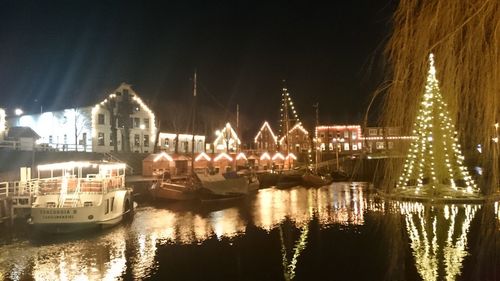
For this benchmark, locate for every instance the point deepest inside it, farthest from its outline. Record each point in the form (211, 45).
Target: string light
(434, 160)
(135, 98)
(223, 155)
(163, 155)
(202, 155)
(262, 130)
(227, 134)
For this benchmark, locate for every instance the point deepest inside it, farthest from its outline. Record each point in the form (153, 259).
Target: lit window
(100, 139)
(346, 134)
(137, 122)
(354, 147)
(379, 145)
(146, 140)
(372, 132)
(137, 140)
(354, 135)
(146, 123)
(346, 146)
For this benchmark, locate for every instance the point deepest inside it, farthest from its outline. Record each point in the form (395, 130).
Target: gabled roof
(264, 126)
(225, 130)
(297, 126)
(22, 132)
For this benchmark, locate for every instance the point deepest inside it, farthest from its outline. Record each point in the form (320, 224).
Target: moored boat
(289, 178)
(80, 195)
(310, 179)
(222, 186)
(177, 188)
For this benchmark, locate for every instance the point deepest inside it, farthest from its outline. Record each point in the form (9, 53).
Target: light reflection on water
(437, 235)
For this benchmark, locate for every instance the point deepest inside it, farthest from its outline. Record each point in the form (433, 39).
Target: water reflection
(290, 265)
(291, 219)
(75, 260)
(438, 235)
(341, 203)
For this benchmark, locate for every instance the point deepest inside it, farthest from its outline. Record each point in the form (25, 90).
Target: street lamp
(142, 127)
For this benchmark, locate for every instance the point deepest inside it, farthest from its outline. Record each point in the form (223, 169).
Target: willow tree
(464, 37)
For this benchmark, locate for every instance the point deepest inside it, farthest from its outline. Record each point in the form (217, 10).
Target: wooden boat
(289, 178)
(80, 195)
(267, 179)
(177, 188)
(310, 179)
(339, 175)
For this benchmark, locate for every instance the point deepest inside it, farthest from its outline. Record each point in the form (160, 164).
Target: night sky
(60, 54)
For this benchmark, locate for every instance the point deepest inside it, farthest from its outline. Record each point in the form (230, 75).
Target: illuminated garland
(264, 126)
(435, 154)
(297, 126)
(135, 98)
(287, 105)
(227, 134)
(438, 254)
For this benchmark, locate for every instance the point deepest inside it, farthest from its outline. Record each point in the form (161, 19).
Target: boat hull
(71, 219)
(313, 180)
(173, 192)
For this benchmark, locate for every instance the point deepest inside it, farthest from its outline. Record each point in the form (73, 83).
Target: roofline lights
(265, 156)
(163, 155)
(278, 155)
(223, 155)
(232, 133)
(64, 165)
(202, 155)
(266, 124)
(241, 155)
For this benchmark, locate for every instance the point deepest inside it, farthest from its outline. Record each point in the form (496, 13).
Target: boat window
(88, 204)
(112, 203)
(106, 210)
(51, 204)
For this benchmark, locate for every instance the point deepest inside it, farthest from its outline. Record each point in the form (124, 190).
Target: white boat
(79, 195)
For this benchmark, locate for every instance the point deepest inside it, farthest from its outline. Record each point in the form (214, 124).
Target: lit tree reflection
(438, 237)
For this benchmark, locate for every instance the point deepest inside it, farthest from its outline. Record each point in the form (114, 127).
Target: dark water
(340, 232)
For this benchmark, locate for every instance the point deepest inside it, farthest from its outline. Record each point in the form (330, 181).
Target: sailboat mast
(237, 125)
(286, 124)
(193, 124)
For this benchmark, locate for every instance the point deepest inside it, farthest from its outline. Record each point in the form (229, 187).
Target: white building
(181, 143)
(121, 122)
(2, 123)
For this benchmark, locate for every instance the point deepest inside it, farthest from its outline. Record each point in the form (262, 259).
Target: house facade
(121, 122)
(266, 140)
(227, 140)
(181, 143)
(344, 139)
(297, 139)
(385, 141)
